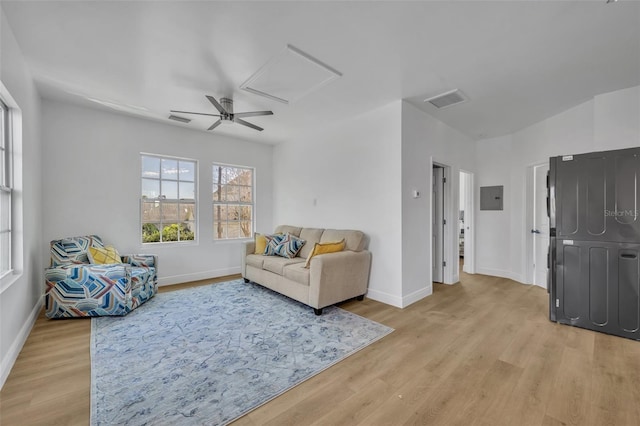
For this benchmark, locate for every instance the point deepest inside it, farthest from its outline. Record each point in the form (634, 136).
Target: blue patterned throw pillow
(272, 244)
(289, 246)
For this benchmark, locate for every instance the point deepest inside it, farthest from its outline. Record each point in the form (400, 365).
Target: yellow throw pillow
(261, 243)
(102, 256)
(323, 248)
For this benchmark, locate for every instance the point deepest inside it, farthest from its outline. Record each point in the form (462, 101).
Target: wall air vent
(447, 99)
(180, 119)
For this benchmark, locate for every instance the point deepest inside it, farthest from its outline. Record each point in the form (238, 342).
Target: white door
(437, 223)
(540, 228)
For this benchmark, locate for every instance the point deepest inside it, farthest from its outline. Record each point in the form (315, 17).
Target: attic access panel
(289, 76)
(491, 197)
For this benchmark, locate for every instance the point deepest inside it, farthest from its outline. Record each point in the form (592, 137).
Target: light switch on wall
(416, 193)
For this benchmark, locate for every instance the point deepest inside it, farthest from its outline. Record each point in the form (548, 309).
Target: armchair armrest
(146, 260)
(335, 277)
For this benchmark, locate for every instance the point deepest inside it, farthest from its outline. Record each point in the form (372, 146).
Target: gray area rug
(208, 355)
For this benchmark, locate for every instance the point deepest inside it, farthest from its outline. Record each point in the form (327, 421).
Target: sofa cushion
(311, 236)
(272, 244)
(255, 260)
(276, 264)
(289, 246)
(324, 248)
(293, 230)
(260, 242)
(354, 240)
(297, 272)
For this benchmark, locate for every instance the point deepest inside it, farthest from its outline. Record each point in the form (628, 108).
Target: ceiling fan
(225, 108)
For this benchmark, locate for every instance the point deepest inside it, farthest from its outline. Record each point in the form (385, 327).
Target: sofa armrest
(145, 260)
(249, 247)
(335, 277)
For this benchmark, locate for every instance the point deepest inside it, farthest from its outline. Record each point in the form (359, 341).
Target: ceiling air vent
(180, 119)
(447, 99)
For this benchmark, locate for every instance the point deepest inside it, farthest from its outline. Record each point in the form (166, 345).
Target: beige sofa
(330, 278)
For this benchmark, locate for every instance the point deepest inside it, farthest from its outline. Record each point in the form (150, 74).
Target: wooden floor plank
(479, 352)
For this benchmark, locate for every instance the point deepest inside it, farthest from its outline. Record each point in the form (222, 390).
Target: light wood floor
(480, 352)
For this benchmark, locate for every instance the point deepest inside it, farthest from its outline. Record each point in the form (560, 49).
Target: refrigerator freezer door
(598, 286)
(596, 196)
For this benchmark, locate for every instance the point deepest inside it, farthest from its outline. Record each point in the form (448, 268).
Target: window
(5, 191)
(232, 202)
(168, 201)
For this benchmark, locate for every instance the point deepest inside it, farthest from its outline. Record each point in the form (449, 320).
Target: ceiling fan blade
(245, 123)
(214, 125)
(252, 114)
(216, 104)
(198, 113)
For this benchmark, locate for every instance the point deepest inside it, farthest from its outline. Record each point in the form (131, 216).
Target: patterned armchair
(77, 288)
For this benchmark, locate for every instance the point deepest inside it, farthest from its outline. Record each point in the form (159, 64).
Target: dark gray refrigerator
(594, 253)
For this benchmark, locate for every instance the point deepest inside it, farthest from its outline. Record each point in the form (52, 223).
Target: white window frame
(6, 189)
(161, 200)
(227, 203)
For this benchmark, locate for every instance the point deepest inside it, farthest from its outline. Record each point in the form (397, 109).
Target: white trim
(12, 355)
(502, 274)
(384, 297)
(417, 295)
(196, 276)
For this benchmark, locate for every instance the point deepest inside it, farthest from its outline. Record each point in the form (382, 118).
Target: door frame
(529, 204)
(450, 248)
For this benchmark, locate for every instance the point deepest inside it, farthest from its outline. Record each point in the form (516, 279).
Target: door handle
(535, 231)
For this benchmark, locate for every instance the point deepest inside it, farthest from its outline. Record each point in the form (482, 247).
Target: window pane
(187, 190)
(233, 193)
(169, 169)
(170, 190)
(187, 212)
(151, 212)
(234, 213)
(5, 251)
(187, 231)
(150, 167)
(187, 171)
(170, 232)
(246, 194)
(245, 213)
(233, 230)
(169, 212)
(246, 229)
(245, 178)
(217, 174)
(150, 188)
(219, 230)
(5, 210)
(220, 212)
(150, 232)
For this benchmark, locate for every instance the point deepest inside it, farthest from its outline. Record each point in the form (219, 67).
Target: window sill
(8, 280)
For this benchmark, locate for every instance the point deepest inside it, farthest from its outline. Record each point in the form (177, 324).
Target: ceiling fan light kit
(225, 108)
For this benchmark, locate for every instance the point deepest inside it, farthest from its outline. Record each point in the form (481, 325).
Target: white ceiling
(518, 62)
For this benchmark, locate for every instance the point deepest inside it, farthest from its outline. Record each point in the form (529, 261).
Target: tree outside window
(233, 206)
(168, 199)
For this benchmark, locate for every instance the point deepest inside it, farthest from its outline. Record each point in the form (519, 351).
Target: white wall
(20, 296)
(348, 177)
(609, 121)
(426, 140)
(93, 184)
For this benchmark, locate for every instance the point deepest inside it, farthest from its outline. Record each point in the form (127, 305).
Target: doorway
(437, 224)
(465, 223)
(540, 225)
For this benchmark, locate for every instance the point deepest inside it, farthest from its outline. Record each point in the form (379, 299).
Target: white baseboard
(417, 295)
(196, 276)
(381, 296)
(18, 343)
(501, 273)
(399, 302)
